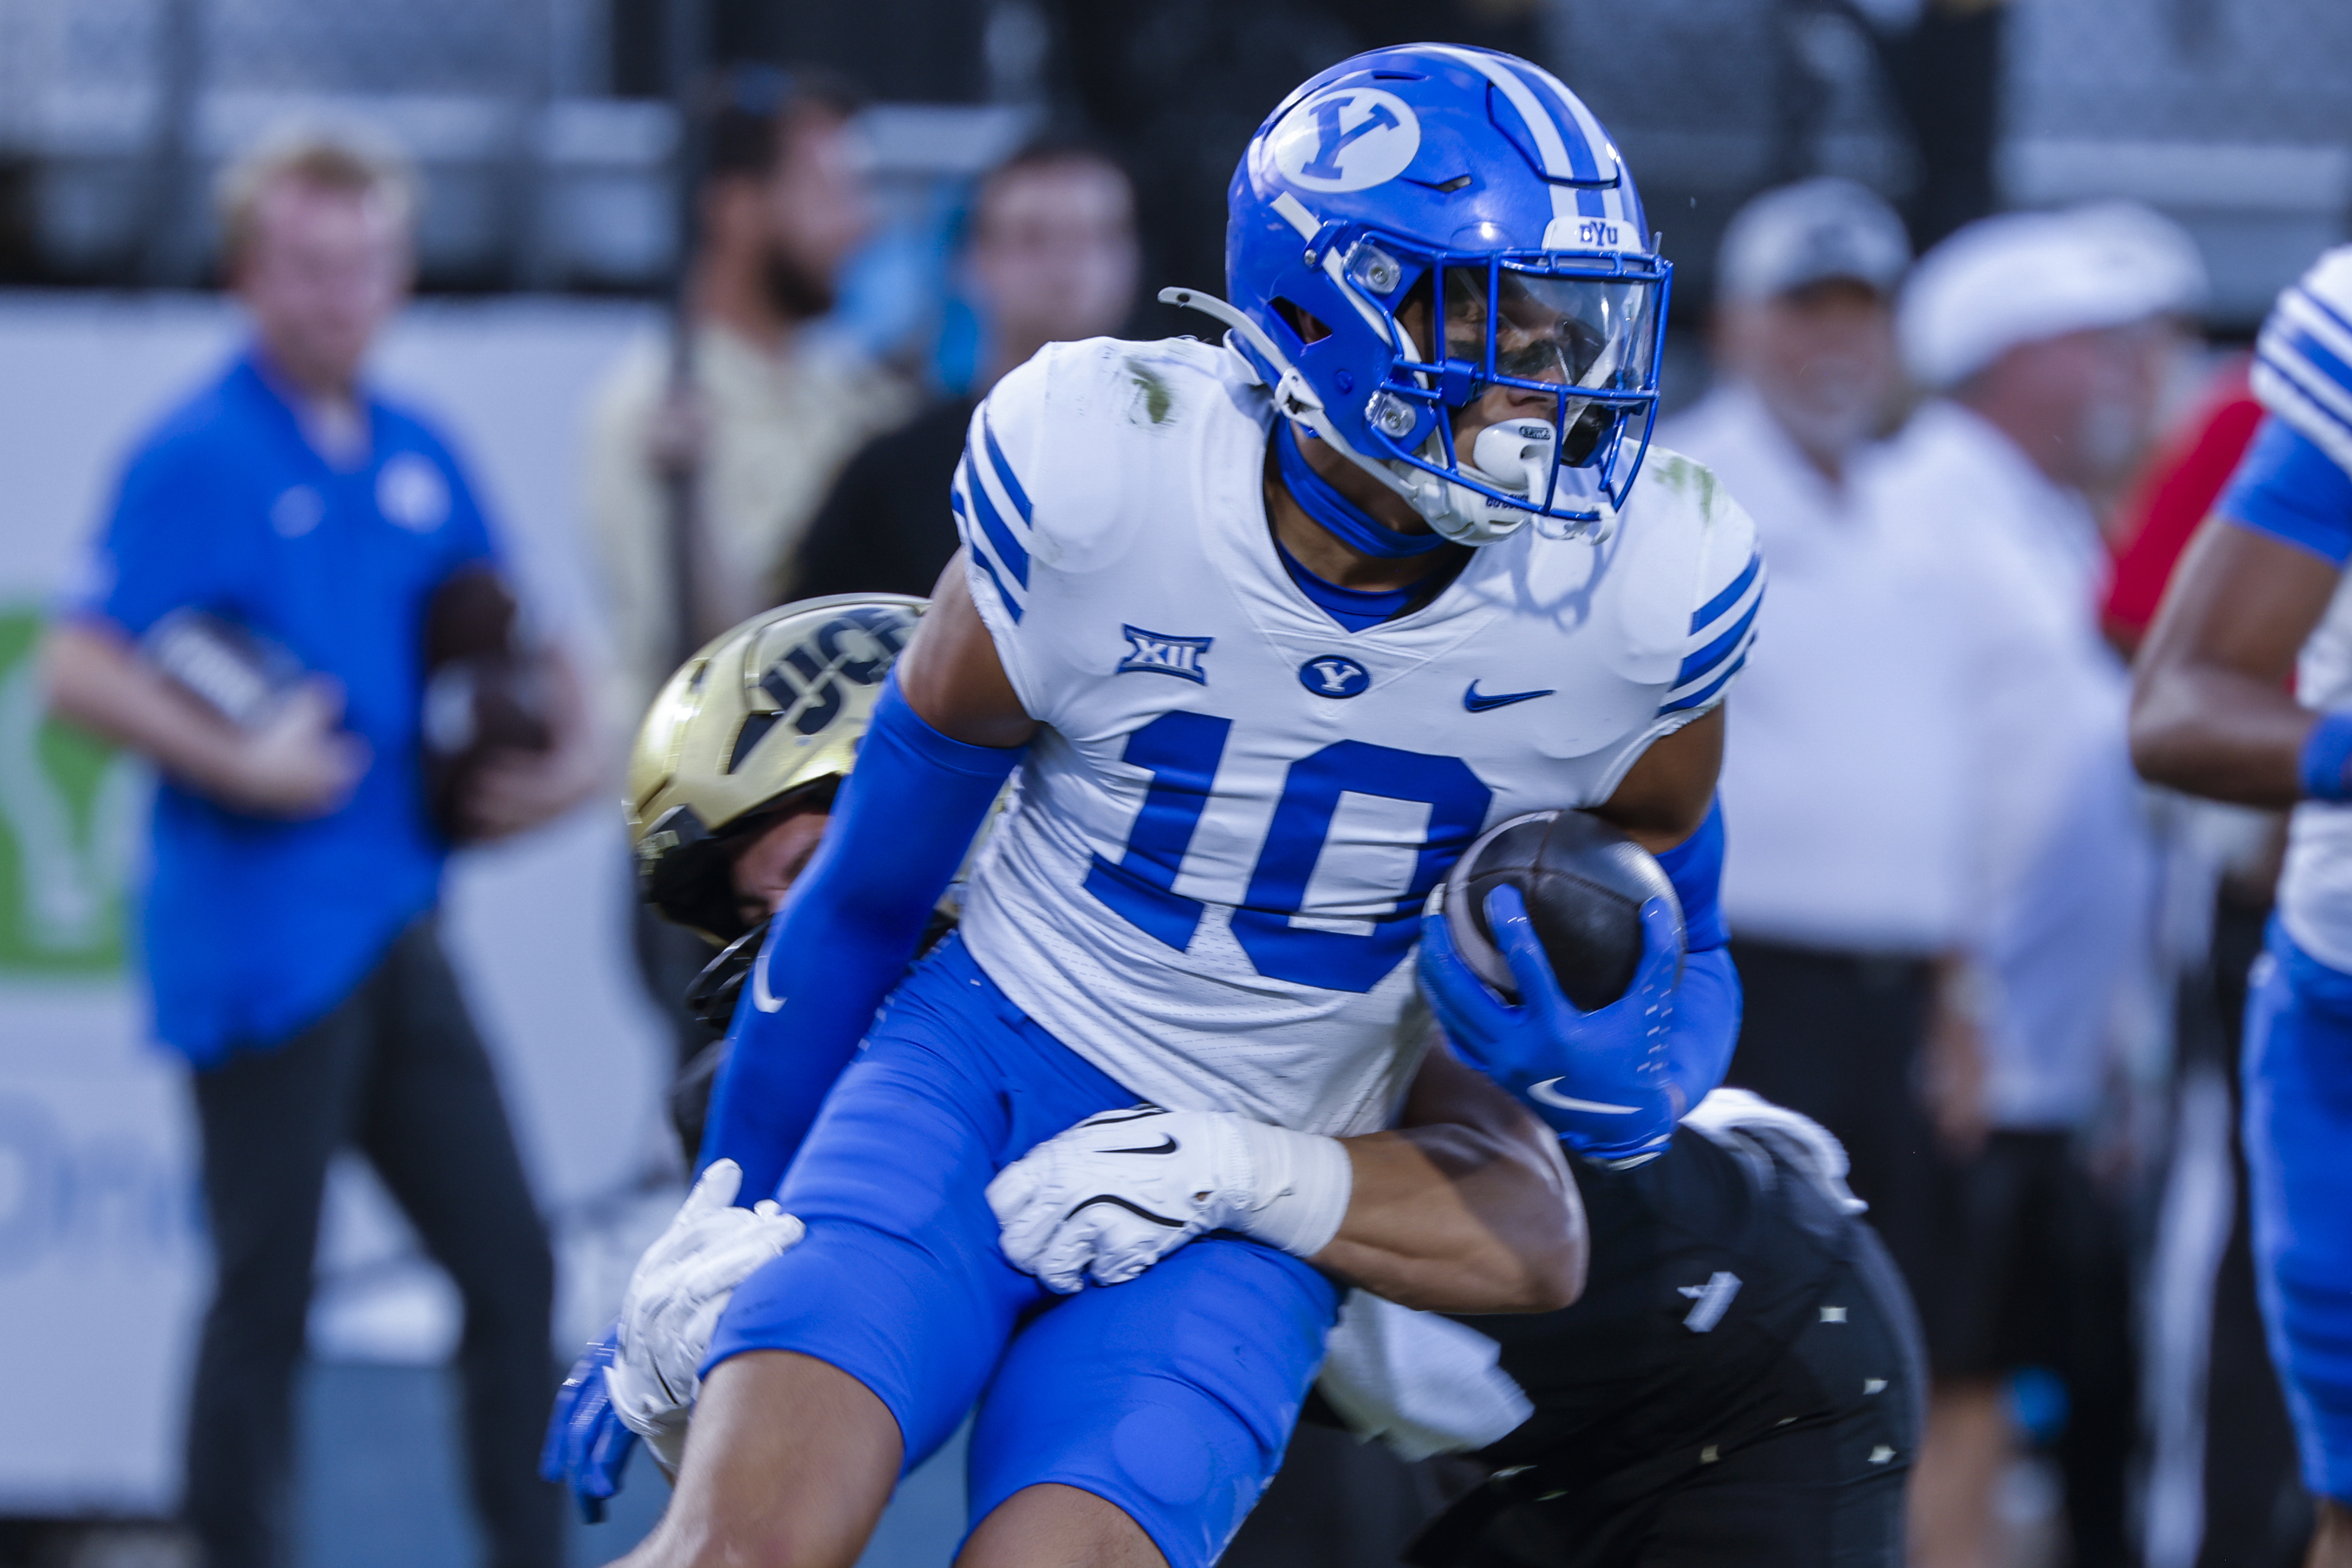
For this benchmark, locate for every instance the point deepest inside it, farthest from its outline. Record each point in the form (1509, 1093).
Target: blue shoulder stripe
(1712, 687)
(1013, 489)
(1011, 605)
(992, 523)
(2319, 356)
(2307, 297)
(1714, 654)
(1729, 596)
(978, 548)
(2308, 404)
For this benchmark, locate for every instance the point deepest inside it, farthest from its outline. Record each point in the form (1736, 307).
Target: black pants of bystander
(398, 1072)
(1837, 1036)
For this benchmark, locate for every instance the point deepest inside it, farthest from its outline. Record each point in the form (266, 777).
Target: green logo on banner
(69, 818)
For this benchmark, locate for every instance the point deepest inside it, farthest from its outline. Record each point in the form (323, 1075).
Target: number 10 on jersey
(1180, 752)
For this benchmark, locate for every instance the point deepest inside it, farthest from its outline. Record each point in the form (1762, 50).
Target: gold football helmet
(764, 719)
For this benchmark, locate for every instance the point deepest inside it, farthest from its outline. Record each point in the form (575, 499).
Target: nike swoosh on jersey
(1551, 1096)
(1167, 1146)
(1479, 702)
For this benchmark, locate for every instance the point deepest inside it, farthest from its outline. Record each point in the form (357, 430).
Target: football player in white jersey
(2245, 693)
(1271, 633)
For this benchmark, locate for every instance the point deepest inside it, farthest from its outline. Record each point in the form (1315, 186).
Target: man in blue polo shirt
(290, 938)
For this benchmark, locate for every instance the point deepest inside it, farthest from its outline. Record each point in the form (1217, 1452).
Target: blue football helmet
(1475, 184)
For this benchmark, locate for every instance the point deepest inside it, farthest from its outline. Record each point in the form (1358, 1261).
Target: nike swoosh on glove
(1598, 1079)
(672, 1305)
(1121, 1190)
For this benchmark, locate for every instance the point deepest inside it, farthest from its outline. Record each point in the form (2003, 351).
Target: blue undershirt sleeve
(2288, 487)
(1707, 1000)
(901, 825)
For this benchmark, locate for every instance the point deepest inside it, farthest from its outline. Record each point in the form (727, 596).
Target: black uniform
(1740, 1382)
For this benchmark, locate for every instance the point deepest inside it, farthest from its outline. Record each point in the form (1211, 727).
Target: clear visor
(1587, 332)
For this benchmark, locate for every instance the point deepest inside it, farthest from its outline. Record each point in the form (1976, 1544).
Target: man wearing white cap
(1842, 883)
(2244, 684)
(2047, 336)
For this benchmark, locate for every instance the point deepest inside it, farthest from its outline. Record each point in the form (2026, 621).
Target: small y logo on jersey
(1157, 654)
(1478, 700)
(1334, 675)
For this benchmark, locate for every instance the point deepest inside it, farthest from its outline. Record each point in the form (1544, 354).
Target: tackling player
(1245, 621)
(2245, 693)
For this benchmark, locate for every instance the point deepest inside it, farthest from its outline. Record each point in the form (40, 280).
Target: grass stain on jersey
(1158, 401)
(1680, 472)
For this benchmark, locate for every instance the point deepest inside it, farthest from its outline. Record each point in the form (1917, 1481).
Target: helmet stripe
(1595, 138)
(1558, 163)
(1592, 202)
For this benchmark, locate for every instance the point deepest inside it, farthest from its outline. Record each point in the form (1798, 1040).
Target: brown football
(1584, 883)
(485, 692)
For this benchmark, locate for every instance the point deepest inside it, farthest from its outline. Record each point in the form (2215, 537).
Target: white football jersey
(2295, 375)
(1212, 874)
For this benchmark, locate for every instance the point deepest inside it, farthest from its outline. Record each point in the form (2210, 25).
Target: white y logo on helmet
(1347, 139)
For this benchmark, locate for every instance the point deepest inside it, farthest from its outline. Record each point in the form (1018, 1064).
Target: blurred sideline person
(2241, 694)
(2048, 337)
(289, 928)
(1051, 259)
(775, 408)
(1842, 884)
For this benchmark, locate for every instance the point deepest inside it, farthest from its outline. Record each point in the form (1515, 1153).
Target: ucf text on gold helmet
(762, 719)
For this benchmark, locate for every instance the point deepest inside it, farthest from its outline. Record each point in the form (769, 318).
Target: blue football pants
(2298, 1141)
(1171, 1396)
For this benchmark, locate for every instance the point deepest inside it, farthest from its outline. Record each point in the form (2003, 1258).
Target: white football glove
(1119, 1191)
(681, 1285)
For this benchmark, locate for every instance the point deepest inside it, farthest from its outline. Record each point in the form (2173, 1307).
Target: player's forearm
(1458, 1219)
(93, 680)
(2213, 732)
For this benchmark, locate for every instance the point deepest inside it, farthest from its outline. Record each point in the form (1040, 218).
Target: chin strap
(1321, 500)
(1459, 514)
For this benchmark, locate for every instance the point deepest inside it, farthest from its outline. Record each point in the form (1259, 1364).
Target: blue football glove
(587, 1448)
(1600, 1078)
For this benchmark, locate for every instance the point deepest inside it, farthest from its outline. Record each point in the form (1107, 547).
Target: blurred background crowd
(1962, 296)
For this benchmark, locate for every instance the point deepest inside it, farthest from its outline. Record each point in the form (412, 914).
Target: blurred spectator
(290, 935)
(2164, 507)
(2048, 336)
(1052, 258)
(739, 453)
(1842, 881)
(772, 409)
